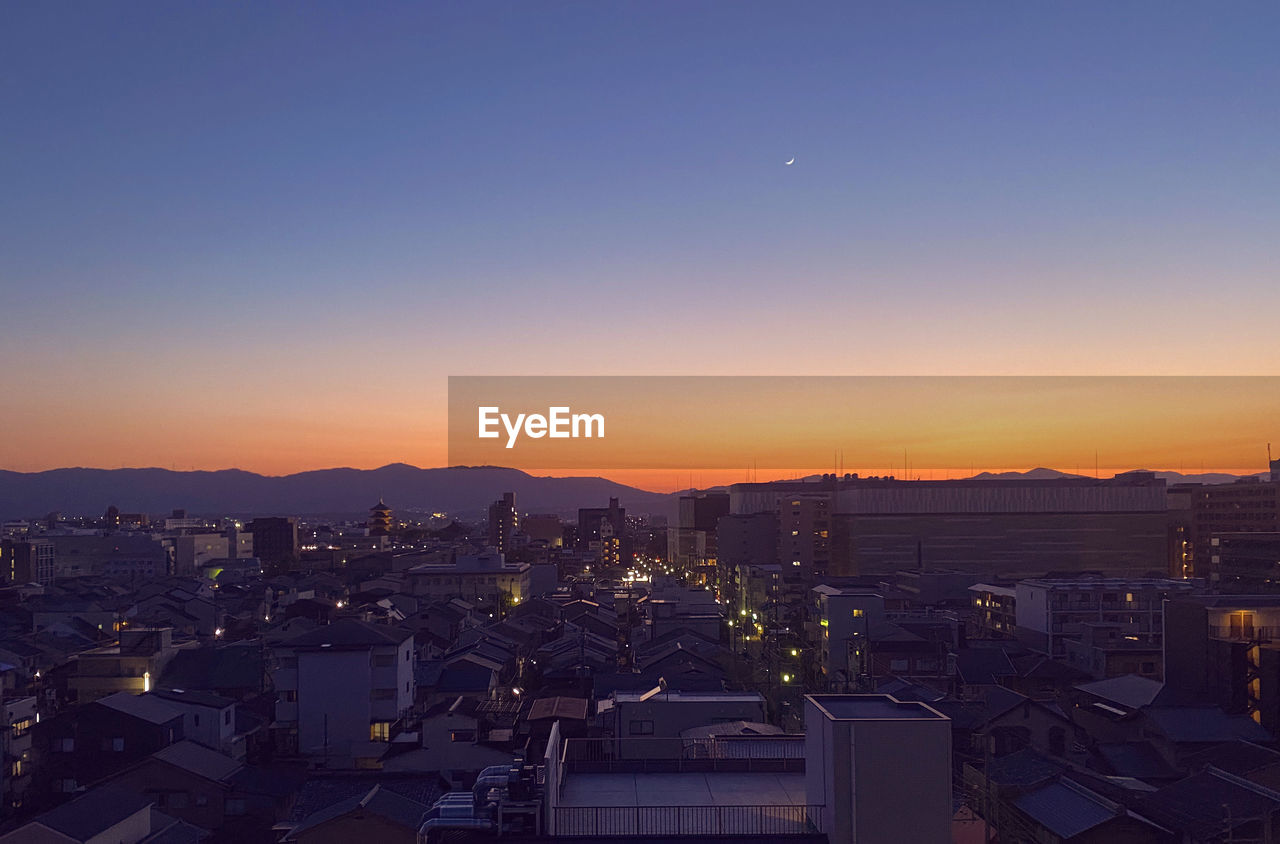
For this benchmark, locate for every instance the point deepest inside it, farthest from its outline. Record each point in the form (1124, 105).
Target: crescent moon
(792, 161)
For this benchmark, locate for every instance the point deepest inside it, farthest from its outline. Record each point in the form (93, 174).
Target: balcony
(1245, 634)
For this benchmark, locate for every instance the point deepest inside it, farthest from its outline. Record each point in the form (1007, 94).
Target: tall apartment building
(503, 522)
(692, 543)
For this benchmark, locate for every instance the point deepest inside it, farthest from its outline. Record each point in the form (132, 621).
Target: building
(105, 814)
(747, 540)
(659, 713)
(1246, 506)
(79, 747)
(341, 688)
(692, 543)
(603, 531)
(486, 578)
(1226, 649)
(1051, 611)
(1107, 649)
(718, 787)
(1244, 563)
(116, 555)
(504, 521)
(193, 551)
(186, 780)
(379, 815)
(880, 767)
(207, 718)
(380, 519)
(131, 665)
(15, 752)
(839, 619)
(995, 610)
(27, 561)
(543, 527)
(275, 540)
(1015, 528)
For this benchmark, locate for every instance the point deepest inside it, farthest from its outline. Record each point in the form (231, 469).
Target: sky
(263, 235)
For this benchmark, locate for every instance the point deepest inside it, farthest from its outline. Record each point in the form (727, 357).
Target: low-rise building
(1050, 611)
(340, 688)
(486, 578)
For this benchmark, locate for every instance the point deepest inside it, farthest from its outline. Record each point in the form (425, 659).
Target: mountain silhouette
(460, 490)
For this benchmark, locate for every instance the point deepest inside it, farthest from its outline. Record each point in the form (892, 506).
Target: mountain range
(466, 490)
(462, 490)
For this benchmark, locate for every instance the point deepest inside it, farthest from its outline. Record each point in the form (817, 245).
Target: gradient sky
(262, 235)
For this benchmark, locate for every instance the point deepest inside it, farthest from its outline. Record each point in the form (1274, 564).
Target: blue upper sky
(262, 191)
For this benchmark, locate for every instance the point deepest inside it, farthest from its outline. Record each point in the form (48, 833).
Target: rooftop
(94, 812)
(146, 707)
(1067, 809)
(349, 633)
(873, 708)
(199, 760)
(688, 697)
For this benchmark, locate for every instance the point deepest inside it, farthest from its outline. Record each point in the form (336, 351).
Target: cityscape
(565, 422)
(1038, 657)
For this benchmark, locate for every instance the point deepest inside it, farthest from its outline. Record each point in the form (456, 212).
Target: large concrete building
(1247, 506)
(1016, 528)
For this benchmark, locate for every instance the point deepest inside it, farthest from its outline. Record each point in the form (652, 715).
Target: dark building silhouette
(590, 519)
(275, 539)
(503, 522)
(857, 526)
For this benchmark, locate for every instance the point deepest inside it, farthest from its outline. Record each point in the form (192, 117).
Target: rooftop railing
(686, 820)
